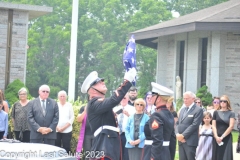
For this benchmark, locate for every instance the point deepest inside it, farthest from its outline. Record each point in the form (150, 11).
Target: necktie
(43, 107)
(120, 122)
(185, 112)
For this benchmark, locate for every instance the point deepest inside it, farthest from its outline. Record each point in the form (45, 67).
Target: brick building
(203, 48)
(14, 20)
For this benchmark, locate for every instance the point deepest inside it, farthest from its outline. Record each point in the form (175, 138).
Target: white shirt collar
(190, 106)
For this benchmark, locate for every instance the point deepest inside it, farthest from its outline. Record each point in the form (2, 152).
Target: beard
(133, 98)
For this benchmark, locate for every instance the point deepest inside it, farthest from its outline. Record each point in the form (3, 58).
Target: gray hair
(22, 90)
(191, 94)
(62, 91)
(44, 86)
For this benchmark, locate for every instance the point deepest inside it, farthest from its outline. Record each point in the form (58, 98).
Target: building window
(181, 61)
(204, 61)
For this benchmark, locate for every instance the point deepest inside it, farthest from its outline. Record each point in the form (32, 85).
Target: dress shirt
(130, 109)
(151, 109)
(3, 122)
(45, 101)
(190, 107)
(66, 115)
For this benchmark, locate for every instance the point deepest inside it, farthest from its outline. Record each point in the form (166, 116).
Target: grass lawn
(235, 138)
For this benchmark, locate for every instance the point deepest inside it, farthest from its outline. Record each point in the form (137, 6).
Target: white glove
(130, 75)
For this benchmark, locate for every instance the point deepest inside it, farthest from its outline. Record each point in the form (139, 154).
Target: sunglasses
(45, 91)
(216, 102)
(224, 101)
(137, 104)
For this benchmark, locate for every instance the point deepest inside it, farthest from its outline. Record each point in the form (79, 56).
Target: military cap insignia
(155, 125)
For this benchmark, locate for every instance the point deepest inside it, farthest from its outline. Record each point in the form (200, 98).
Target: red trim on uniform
(117, 94)
(161, 108)
(123, 84)
(142, 153)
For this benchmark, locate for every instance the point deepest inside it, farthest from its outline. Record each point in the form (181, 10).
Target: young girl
(204, 149)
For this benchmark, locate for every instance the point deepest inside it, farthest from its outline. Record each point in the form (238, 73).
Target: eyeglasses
(216, 102)
(198, 102)
(45, 91)
(137, 104)
(224, 101)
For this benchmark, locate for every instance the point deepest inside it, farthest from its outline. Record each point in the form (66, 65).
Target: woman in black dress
(222, 125)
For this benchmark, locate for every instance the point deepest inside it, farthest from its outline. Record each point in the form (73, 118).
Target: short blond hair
(140, 100)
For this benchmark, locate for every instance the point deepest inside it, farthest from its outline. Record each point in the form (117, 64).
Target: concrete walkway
(236, 156)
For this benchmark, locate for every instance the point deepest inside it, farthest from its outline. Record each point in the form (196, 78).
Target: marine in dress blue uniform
(160, 127)
(101, 118)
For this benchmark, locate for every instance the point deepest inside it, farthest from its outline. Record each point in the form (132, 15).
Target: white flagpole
(73, 51)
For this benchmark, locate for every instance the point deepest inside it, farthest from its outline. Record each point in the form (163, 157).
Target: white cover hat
(91, 79)
(161, 90)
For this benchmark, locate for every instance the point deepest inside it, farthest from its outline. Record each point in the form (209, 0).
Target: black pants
(187, 152)
(124, 150)
(25, 138)
(1, 134)
(63, 140)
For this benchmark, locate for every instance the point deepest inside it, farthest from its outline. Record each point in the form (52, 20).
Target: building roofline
(34, 10)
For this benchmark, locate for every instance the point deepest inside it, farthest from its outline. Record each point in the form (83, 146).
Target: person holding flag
(106, 143)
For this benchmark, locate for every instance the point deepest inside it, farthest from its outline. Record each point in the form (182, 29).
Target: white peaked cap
(89, 81)
(161, 90)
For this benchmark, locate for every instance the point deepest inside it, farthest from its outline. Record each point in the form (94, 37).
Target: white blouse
(66, 115)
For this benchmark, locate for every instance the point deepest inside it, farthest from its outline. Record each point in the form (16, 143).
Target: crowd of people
(125, 126)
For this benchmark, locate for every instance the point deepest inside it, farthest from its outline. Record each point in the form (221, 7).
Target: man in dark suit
(188, 123)
(43, 117)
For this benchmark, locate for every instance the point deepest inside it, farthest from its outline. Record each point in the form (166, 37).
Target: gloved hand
(130, 75)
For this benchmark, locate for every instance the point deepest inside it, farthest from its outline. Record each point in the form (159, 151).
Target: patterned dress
(204, 149)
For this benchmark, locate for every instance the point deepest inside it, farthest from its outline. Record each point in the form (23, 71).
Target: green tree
(204, 95)
(12, 91)
(49, 41)
(102, 35)
(188, 6)
(113, 20)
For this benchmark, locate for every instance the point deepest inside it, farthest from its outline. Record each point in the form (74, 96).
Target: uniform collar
(161, 107)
